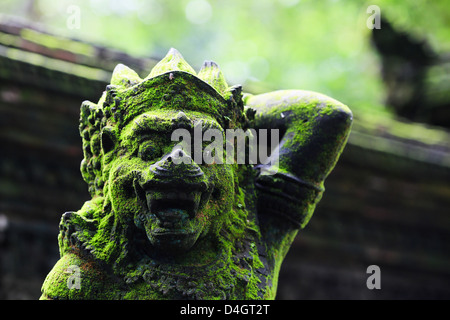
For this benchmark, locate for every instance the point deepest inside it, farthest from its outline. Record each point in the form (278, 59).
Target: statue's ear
(108, 140)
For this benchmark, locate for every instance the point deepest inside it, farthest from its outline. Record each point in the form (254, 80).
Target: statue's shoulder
(75, 276)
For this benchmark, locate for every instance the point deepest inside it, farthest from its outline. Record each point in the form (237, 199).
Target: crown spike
(173, 61)
(125, 77)
(211, 74)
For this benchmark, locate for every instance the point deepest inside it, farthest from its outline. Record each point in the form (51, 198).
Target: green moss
(61, 283)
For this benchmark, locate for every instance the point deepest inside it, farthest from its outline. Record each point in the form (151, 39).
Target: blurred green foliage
(319, 45)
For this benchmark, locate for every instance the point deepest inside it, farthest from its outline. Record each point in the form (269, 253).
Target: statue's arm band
(287, 197)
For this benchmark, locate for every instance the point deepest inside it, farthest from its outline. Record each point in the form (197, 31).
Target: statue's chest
(161, 283)
(245, 275)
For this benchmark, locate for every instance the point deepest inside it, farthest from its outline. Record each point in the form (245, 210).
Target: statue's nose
(176, 164)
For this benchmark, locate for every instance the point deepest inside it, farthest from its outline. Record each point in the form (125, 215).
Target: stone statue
(163, 226)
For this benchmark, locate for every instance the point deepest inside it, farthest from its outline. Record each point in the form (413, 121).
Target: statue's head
(139, 171)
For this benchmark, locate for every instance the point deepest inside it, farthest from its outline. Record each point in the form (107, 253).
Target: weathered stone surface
(156, 230)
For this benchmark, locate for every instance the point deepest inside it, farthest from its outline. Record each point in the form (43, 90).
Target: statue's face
(160, 189)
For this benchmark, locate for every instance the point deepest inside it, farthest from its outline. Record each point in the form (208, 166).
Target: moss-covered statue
(160, 228)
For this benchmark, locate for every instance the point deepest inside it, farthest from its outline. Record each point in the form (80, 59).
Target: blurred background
(386, 203)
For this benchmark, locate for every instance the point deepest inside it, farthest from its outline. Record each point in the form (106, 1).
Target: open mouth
(173, 209)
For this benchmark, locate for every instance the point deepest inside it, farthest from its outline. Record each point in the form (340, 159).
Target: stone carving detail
(163, 226)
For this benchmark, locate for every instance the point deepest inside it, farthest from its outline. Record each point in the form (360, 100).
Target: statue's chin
(169, 241)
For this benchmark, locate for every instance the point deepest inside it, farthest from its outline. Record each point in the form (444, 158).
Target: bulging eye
(148, 150)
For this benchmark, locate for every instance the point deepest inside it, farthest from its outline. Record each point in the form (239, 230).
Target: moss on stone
(236, 243)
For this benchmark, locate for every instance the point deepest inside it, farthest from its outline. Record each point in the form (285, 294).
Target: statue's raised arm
(313, 131)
